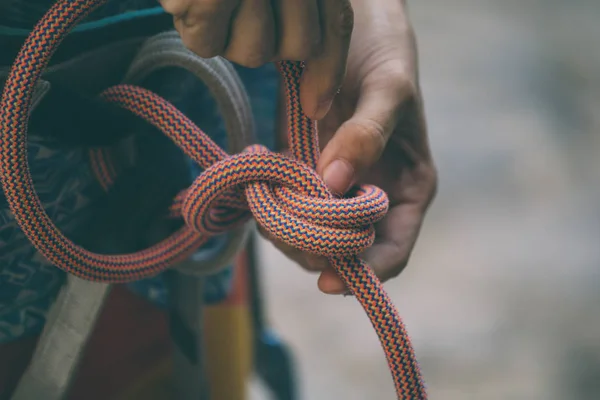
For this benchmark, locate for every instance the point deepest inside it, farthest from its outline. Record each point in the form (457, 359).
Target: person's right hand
(254, 32)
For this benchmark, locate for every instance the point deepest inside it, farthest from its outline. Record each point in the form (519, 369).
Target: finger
(330, 283)
(203, 25)
(298, 29)
(176, 8)
(252, 39)
(309, 262)
(360, 141)
(398, 232)
(325, 72)
(387, 257)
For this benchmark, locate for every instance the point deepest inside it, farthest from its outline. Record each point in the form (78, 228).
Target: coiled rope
(284, 194)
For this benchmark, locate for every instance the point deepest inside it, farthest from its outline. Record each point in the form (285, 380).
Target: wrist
(382, 34)
(377, 14)
(379, 5)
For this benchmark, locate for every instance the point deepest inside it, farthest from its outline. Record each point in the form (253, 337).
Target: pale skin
(372, 131)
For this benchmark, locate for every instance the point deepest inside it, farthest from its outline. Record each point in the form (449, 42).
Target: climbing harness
(283, 193)
(73, 316)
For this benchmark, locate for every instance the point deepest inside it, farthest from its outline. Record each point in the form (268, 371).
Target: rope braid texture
(284, 194)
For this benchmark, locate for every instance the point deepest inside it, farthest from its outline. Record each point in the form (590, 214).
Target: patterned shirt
(23, 14)
(28, 283)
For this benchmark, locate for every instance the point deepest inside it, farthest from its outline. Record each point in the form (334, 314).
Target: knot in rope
(284, 194)
(286, 197)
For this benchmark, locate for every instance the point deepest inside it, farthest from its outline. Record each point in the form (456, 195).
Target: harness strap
(73, 315)
(69, 325)
(284, 194)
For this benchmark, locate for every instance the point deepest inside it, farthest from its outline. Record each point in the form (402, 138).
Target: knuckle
(399, 77)
(176, 8)
(339, 18)
(208, 7)
(198, 46)
(369, 136)
(345, 20)
(403, 82)
(249, 59)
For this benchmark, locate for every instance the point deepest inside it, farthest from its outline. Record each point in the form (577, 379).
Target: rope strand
(284, 194)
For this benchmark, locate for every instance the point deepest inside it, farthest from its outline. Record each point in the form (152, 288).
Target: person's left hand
(254, 32)
(376, 133)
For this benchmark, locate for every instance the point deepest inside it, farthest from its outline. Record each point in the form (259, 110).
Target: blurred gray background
(502, 296)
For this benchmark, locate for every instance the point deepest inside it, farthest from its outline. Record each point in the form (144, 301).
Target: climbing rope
(283, 193)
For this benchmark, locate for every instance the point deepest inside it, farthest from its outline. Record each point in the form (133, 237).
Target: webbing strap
(68, 327)
(72, 317)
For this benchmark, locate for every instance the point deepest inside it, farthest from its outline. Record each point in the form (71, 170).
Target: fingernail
(322, 109)
(338, 176)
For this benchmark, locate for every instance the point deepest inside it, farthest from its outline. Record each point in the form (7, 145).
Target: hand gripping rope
(284, 194)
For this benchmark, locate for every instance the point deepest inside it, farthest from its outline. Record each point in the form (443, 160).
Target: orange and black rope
(283, 193)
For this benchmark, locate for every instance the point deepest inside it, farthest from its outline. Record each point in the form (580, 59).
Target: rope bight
(283, 193)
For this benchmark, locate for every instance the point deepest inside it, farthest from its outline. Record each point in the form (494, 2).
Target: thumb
(359, 142)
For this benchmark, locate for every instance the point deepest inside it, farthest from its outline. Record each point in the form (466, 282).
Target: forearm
(378, 24)
(380, 18)
(395, 9)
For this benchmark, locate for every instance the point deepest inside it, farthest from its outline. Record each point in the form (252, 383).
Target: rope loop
(284, 194)
(287, 198)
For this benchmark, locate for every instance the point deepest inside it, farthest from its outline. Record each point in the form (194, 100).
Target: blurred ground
(501, 295)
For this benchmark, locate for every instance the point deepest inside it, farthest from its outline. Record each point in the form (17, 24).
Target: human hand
(376, 133)
(254, 32)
